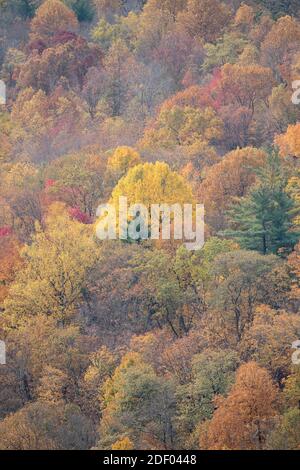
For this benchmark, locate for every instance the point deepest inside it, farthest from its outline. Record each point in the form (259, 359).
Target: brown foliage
(243, 419)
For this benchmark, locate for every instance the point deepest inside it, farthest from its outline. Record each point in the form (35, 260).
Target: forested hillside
(124, 344)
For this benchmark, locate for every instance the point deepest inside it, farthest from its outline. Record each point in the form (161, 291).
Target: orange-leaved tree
(243, 419)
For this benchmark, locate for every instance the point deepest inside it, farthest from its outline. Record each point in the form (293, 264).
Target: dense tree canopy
(140, 342)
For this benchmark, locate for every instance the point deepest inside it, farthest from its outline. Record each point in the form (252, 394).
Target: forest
(144, 344)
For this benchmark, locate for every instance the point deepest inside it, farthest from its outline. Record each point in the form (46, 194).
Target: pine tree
(262, 220)
(279, 7)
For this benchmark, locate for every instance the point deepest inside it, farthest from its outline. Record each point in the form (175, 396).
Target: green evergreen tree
(280, 7)
(262, 221)
(83, 9)
(18, 8)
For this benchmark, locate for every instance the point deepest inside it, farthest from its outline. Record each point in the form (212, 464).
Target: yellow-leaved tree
(289, 143)
(55, 268)
(153, 183)
(188, 130)
(121, 161)
(148, 184)
(137, 405)
(123, 444)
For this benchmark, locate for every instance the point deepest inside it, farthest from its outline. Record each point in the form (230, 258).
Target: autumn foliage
(136, 343)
